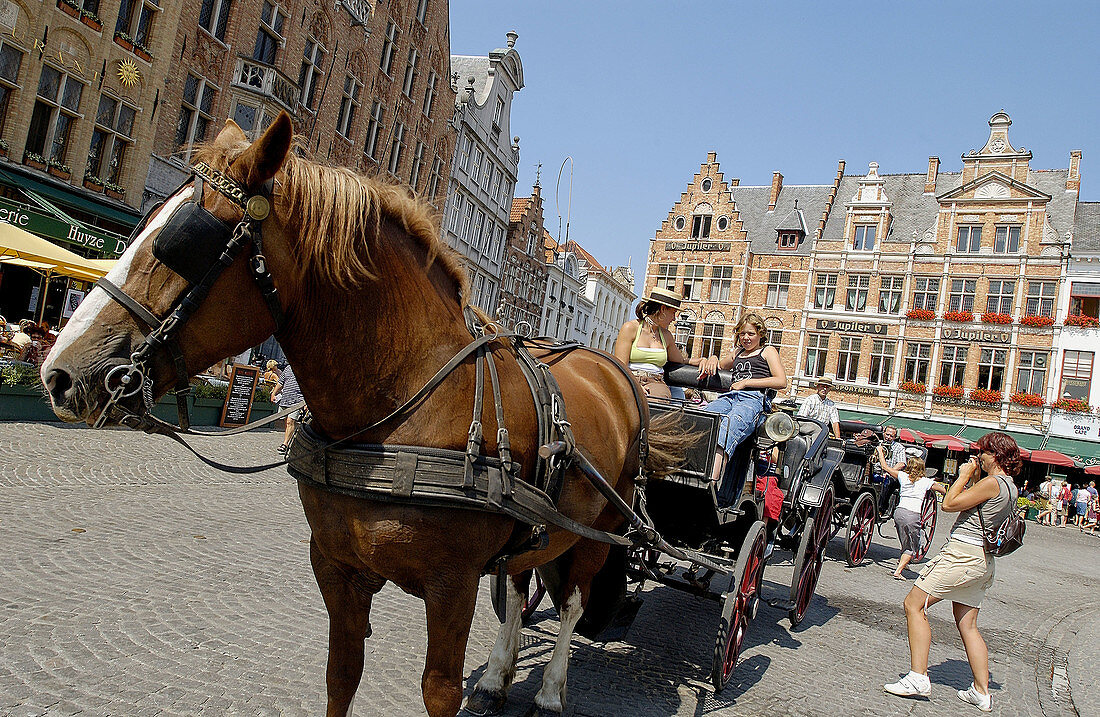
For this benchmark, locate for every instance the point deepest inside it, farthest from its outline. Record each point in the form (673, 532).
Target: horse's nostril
(58, 383)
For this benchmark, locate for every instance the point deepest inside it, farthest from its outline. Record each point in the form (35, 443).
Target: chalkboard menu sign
(238, 399)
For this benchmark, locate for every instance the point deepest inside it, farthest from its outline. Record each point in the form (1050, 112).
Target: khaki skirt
(960, 573)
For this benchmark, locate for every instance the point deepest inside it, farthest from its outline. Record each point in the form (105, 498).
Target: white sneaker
(982, 702)
(912, 685)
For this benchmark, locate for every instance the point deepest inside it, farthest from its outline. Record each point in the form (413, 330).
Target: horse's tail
(669, 439)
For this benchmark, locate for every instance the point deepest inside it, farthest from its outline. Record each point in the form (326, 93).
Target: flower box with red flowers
(948, 391)
(960, 316)
(1036, 322)
(1073, 405)
(912, 387)
(921, 314)
(990, 317)
(1028, 400)
(1082, 321)
(985, 395)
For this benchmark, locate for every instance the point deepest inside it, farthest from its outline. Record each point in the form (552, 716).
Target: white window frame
(779, 285)
(847, 358)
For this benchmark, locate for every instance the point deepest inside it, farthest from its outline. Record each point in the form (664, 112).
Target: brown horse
(374, 307)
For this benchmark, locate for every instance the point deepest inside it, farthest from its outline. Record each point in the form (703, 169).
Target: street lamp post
(568, 211)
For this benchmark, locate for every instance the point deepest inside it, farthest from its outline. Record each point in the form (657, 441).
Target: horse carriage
(866, 496)
(720, 536)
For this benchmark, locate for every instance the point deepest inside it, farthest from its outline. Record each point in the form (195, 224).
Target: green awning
(71, 198)
(1085, 451)
(935, 428)
(874, 419)
(1030, 441)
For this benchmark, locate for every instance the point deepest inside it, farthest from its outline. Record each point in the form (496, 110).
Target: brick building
(523, 287)
(484, 168)
(367, 84)
(871, 278)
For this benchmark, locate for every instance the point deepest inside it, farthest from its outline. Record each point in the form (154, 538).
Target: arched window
(700, 221)
(714, 327)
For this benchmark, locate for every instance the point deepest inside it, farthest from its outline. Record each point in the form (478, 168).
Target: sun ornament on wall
(128, 73)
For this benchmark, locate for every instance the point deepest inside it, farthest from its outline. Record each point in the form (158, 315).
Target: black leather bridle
(197, 246)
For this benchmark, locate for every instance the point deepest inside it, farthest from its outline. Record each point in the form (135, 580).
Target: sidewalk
(1084, 662)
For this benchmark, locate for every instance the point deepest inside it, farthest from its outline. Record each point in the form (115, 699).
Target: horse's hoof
(536, 711)
(484, 702)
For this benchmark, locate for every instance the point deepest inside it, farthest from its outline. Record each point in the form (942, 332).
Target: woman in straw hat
(646, 345)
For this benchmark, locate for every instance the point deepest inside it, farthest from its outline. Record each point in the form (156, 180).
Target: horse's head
(170, 252)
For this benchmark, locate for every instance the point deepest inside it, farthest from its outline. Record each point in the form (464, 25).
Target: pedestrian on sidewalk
(1083, 499)
(963, 571)
(1063, 504)
(287, 394)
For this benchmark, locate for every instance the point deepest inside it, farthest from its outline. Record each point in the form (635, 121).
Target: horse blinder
(191, 241)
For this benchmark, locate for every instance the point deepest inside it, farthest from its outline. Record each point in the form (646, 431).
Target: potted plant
(1082, 321)
(1027, 400)
(912, 387)
(921, 314)
(1071, 405)
(21, 395)
(1036, 322)
(1030, 508)
(114, 191)
(34, 160)
(991, 317)
(59, 169)
(143, 52)
(948, 391)
(124, 41)
(69, 7)
(93, 183)
(90, 19)
(985, 395)
(959, 316)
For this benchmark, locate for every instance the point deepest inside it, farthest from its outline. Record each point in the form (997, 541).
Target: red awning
(910, 436)
(951, 443)
(1093, 470)
(1054, 458)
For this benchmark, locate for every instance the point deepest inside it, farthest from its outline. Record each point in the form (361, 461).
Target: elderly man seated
(820, 407)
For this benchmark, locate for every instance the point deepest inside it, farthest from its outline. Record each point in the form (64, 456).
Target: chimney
(735, 182)
(933, 172)
(777, 185)
(1073, 181)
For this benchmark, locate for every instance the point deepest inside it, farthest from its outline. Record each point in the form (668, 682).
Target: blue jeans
(742, 411)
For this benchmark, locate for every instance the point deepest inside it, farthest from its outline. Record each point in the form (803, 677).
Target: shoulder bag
(1006, 537)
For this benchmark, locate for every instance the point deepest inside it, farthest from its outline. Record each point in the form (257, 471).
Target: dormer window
(788, 240)
(865, 237)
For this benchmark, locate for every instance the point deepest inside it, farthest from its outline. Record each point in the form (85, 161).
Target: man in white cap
(820, 407)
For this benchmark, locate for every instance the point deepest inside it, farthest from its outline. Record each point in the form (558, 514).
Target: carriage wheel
(739, 605)
(810, 555)
(530, 601)
(861, 527)
(927, 524)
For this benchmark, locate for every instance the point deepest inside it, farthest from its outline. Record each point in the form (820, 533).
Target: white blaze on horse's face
(87, 314)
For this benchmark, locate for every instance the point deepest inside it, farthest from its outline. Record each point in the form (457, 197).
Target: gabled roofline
(986, 178)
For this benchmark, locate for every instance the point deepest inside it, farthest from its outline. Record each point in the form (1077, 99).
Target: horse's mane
(333, 211)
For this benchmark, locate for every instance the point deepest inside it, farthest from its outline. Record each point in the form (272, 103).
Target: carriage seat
(685, 375)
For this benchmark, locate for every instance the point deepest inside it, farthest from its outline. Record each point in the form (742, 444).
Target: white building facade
(612, 296)
(567, 312)
(485, 167)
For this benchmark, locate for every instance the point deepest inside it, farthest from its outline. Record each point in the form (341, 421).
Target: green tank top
(656, 356)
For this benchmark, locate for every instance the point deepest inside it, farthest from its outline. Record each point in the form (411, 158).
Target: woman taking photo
(963, 571)
(913, 484)
(646, 345)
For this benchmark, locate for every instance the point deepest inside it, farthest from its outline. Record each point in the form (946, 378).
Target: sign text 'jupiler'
(999, 337)
(697, 246)
(861, 327)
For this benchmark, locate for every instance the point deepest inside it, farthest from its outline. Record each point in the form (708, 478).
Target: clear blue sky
(638, 93)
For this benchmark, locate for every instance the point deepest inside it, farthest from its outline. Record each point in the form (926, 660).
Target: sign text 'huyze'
(861, 327)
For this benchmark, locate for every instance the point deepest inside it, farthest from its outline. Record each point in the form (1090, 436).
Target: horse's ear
(265, 156)
(231, 134)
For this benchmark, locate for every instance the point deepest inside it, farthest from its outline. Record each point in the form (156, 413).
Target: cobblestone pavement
(135, 581)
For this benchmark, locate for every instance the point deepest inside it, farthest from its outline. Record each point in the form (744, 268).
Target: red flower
(1081, 320)
(1036, 321)
(921, 314)
(961, 316)
(949, 391)
(985, 395)
(990, 317)
(912, 387)
(1074, 405)
(1023, 398)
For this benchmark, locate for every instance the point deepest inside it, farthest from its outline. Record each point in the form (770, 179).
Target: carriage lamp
(780, 427)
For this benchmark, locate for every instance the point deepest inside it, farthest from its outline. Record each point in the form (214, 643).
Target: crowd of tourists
(1063, 504)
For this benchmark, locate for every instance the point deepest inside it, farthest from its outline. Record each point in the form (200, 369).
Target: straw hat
(664, 297)
(824, 380)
